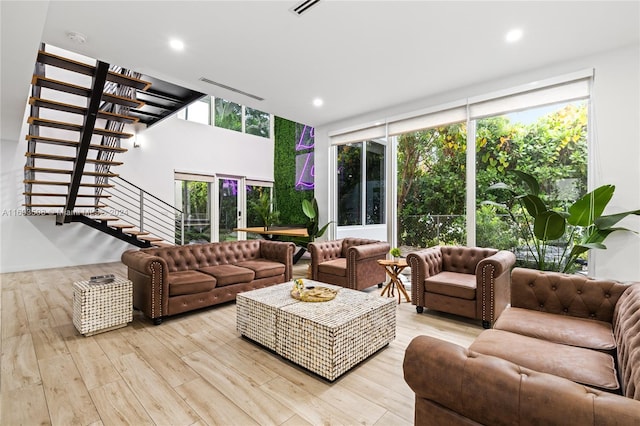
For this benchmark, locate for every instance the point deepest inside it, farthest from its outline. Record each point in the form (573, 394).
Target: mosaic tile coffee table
(327, 338)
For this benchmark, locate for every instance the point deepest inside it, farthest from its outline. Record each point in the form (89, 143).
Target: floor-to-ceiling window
(361, 183)
(548, 143)
(193, 196)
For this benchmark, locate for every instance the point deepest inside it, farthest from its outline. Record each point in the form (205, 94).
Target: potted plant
(395, 252)
(310, 209)
(539, 225)
(264, 207)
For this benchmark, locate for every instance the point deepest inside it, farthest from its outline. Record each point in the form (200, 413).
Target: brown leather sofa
(348, 262)
(472, 282)
(171, 280)
(567, 352)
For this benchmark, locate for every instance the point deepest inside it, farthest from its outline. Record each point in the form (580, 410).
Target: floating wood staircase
(74, 134)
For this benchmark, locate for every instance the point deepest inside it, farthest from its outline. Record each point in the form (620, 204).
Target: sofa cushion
(336, 267)
(229, 274)
(454, 284)
(568, 330)
(189, 282)
(263, 268)
(585, 366)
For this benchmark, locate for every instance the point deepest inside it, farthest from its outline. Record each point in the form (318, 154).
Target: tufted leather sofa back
(463, 259)
(565, 294)
(193, 256)
(626, 330)
(350, 242)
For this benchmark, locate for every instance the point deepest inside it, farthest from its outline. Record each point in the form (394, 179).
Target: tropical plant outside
(432, 174)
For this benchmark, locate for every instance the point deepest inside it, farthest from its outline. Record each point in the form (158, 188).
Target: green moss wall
(288, 200)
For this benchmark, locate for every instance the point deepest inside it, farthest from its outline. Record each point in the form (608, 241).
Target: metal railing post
(141, 210)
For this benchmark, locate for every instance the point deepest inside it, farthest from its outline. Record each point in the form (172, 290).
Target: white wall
(616, 150)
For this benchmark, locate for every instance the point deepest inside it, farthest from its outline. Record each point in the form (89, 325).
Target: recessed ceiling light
(176, 44)
(318, 102)
(514, 35)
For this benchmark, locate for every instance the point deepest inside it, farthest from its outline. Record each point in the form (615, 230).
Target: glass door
(230, 213)
(194, 199)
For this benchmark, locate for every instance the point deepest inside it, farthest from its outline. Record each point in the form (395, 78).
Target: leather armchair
(348, 262)
(472, 282)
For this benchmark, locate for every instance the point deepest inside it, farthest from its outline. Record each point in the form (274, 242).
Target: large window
(549, 143)
(228, 115)
(361, 183)
(431, 186)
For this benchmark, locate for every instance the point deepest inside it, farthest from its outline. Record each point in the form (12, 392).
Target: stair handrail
(153, 212)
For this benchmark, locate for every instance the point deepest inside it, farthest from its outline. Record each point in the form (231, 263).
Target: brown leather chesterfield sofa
(348, 262)
(567, 352)
(171, 280)
(472, 282)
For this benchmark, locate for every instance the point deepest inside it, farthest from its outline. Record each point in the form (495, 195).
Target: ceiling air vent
(303, 6)
(233, 89)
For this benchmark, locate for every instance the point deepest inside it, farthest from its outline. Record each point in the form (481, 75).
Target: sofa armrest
(493, 283)
(424, 263)
(491, 390)
(148, 274)
(367, 251)
(363, 269)
(322, 251)
(565, 294)
(279, 251)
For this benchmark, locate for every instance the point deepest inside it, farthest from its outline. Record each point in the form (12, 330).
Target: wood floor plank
(91, 361)
(14, 314)
(160, 401)
(199, 393)
(24, 406)
(19, 363)
(256, 402)
(48, 342)
(174, 341)
(67, 396)
(117, 405)
(170, 367)
(37, 310)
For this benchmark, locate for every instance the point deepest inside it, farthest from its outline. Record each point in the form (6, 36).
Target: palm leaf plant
(310, 209)
(580, 228)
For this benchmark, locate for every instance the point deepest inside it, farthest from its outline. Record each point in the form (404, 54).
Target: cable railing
(135, 206)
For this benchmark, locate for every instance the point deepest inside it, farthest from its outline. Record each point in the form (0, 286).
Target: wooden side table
(393, 269)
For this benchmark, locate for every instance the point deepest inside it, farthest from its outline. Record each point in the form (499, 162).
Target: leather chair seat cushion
(189, 282)
(584, 366)
(229, 274)
(568, 330)
(453, 284)
(336, 267)
(263, 268)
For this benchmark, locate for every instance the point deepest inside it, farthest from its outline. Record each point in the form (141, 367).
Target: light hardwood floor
(193, 369)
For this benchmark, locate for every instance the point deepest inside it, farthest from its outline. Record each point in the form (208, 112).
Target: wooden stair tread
(104, 218)
(37, 121)
(68, 172)
(66, 142)
(48, 182)
(51, 194)
(62, 86)
(75, 109)
(136, 233)
(149, 238)
(70, 158)
(97, 206)
(121, 225)
(86, 69)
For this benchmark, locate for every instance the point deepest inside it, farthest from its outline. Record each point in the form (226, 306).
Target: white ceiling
(358, 56)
